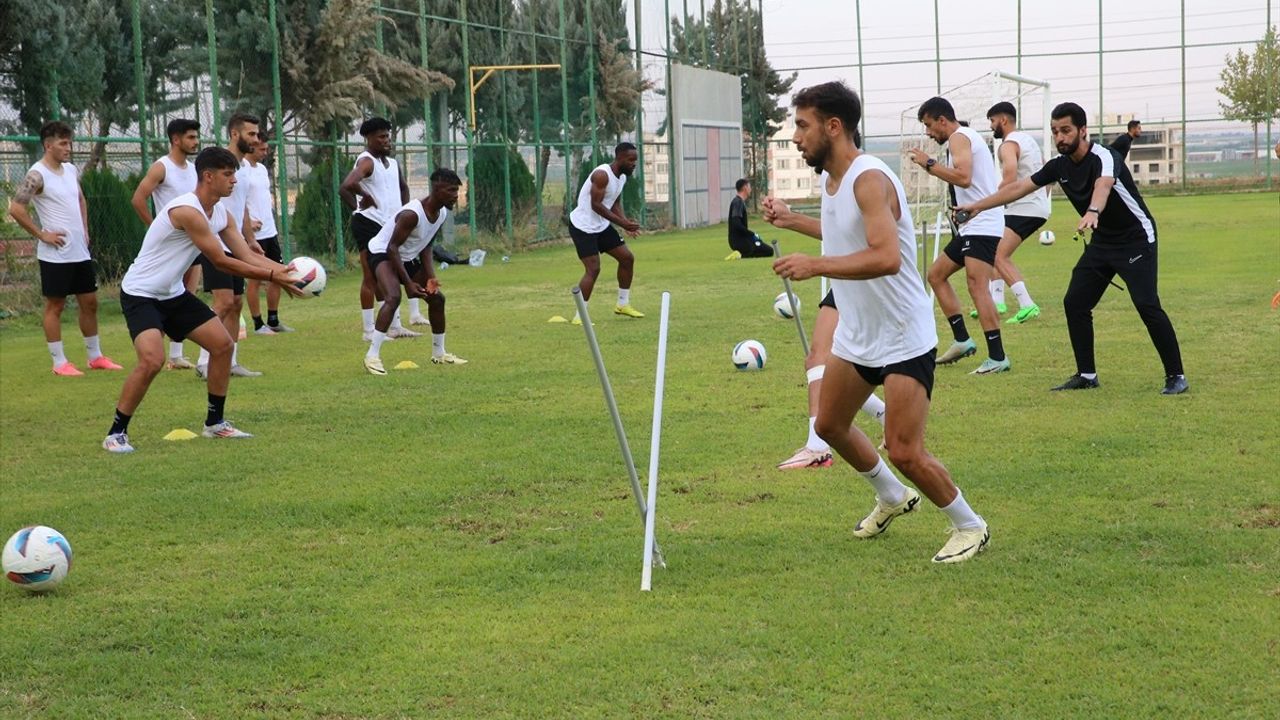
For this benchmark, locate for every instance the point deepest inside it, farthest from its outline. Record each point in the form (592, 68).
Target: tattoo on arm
(30, 186)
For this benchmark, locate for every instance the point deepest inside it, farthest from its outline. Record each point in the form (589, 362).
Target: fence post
(469, 132)
(640, 108)
(340, 245)
(569, 179)
(211, 40)
(428, 132)
(140, 82)
(282, 172)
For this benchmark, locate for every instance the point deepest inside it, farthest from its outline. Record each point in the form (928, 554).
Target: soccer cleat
(202, 372)
(419, 320)
(628, 311)
(66, 369)
(1175, 385)
(957, 351)
(447, 359)
(578, 321)
(1078, 382)
(264, 330)
(1001, 308)
(280, 328)
(179, 363)
(963, 544)
(735, 255)
(402, 332)
(368, 337)
(374, 365)
(224, 430)
(117, 443)
(991, 367)
(806, 458)
(880, 517)
(102, 362)
(1025, 314)
(239, 370)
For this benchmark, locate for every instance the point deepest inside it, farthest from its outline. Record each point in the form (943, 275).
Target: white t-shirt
(167, 252)
(260, 202)
(883, 320)
(419, 238)
(983, 181)
(383, 185)
(1029, 161)
(583, 216)
(58, 209)
(178, 180)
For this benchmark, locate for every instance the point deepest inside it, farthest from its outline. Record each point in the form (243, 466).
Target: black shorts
(589, 244)
(271, 248)
(363, 229)
(919, 367)
(58, 280)
(1023, 225)
(215, 279)
(978, 247)
(175, 317)
(829, 300)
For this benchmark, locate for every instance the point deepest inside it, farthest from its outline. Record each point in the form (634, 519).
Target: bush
(312, 230)
(489, 198)
(115, 230)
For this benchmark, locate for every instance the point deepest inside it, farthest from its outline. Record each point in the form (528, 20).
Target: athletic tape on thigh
(814, 374)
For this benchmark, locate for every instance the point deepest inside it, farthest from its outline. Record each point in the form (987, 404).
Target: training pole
(791, 300)
(655, 443)
(613, 412)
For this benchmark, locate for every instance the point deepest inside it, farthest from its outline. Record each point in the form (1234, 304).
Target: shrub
(489, 198)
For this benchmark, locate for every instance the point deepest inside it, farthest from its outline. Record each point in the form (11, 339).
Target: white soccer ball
(311, 276)
(749, 355)
(36, 558)
(1046, 237)
(782, 307)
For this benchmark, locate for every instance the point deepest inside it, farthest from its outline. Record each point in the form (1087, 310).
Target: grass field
(462, 542)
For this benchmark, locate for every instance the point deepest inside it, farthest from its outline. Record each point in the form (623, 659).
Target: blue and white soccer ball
(36, 558)
(1046, 237)
(782, 307)
(749, 355)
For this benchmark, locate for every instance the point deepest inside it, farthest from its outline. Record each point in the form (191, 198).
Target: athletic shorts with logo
(271, 248)
(919, 367)
(413, 268)
(589, 244)
(58, 280)
(978, 247)
(1023, 225)
(215, 279)
(175, 317)
(363, 229)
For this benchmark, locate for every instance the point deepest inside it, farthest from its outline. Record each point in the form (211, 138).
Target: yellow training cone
(406, 365)
(557, 318)
(180, 434)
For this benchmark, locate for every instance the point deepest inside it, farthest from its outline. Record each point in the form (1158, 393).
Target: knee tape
(814, 374)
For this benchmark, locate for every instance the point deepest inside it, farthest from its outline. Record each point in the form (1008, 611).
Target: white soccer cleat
(374, 366)
(402, 332)
(447, 359)
(963, 544)
(202, 372)
(419, 320)
(239, 370)
(264, 330)
(177, 362)
(117, 443)
(880, 517)
(805, 458)
(224, 430)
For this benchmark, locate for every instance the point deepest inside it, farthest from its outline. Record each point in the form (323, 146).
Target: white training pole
(791, 300)
(613, 411)
(655, 442)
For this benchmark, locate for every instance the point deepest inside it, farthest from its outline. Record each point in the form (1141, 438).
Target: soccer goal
(927, 195)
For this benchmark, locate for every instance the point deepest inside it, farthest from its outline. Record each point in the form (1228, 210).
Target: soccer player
(971, 174)
(374, 189)
(1124, 243)
(885, 333)
(1019, 157)
(591, 227)
(1124, 141)
(172, 175)
(741, 240)
(400, 254)
(155, 303)
(52, 185)
(262, 218)
(228, 289)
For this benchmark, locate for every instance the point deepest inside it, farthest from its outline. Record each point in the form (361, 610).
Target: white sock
(814, 442)
(413, 308)
(1089, 376)
(874, 407)
(624, 296)
(437, 344)
(204, 358)
(375, 347)
(962, 516)
(235, 351)
(366, 317)
(175, 349)
(92, 346)
(395, 319)
(997, 291)
(56, 352)
(889, 489)
(1020, 291)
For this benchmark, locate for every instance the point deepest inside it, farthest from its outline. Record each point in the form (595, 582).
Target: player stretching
(155, 303)
(886, 333)
(591, 227)
(1102, 190)
(400, 254)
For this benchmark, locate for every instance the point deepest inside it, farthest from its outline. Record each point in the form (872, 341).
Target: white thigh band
(815, 373)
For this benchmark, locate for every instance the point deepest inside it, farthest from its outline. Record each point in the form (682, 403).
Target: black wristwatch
(928, 166)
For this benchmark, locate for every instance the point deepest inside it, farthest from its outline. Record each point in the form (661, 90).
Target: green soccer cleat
(1025, 314)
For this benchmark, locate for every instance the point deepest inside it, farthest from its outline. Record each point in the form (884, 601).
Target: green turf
(462, 542)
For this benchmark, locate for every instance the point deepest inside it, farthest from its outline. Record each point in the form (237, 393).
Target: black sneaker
(1175, 385)
(1077, 382)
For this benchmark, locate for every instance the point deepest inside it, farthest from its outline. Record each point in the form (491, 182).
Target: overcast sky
(1142, 69)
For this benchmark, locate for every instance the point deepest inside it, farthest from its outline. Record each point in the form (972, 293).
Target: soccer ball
(311, 275)
(1046, 237)
(37, 558)
(749, 355)
(782, 307)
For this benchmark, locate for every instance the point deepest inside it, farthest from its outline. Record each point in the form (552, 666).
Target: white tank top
(178, 180)
(259, 201)
(419, 238)
(383, 185)
(887, 319)
(583, 217)
(1029, 161)
(58, 208)
(167, 252)
(983, 182)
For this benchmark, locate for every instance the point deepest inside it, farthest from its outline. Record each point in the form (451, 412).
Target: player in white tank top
(172, 175)
(1020, 156)
(591, 227)
(52, 185)
(970, 172)
(868, 246)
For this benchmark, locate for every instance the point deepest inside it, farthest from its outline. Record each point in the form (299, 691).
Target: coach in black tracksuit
(1101, 188)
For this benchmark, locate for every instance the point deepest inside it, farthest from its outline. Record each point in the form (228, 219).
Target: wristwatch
(928, 166)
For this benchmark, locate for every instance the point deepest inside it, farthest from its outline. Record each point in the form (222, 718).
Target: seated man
(744, 242)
